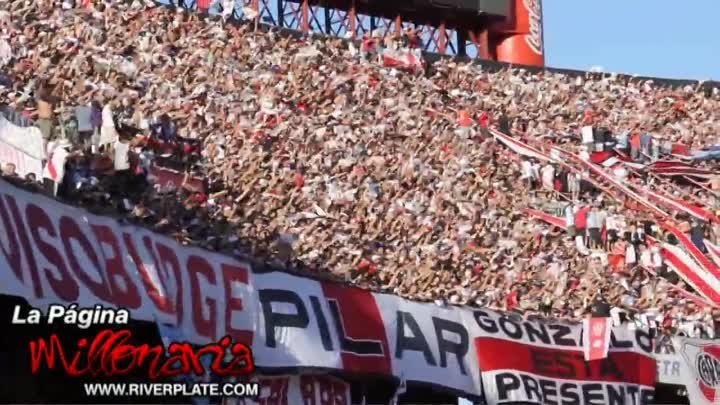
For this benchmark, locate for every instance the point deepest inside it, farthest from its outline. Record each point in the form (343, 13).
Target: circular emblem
(708, 368)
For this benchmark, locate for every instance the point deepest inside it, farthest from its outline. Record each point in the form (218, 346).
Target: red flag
(484, 119)
(596, 338)
(680, 149)
(203, 5)
(367, 266)
(511, 301)
(401, 59)
(600, 157)
(368, 43)
(299, 181)
(464, 119)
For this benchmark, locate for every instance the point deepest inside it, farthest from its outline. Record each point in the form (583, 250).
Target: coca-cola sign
(534, 38)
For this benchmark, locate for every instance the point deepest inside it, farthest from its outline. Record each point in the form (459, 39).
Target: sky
(662, 38)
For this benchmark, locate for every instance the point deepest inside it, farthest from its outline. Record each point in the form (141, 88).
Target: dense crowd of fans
(322, 161)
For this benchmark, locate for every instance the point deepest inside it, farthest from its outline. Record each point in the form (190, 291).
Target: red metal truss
(301, 15)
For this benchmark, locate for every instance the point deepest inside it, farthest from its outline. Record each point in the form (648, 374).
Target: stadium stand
(547, 194)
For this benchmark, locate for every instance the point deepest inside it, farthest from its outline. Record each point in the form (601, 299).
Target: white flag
(55, 166)
(228, 6)
(249, 13)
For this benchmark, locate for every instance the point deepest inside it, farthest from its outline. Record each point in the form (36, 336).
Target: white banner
(22, 146)
(24, 164)
(700, 369)
(428, 340)
(669, 369)
(27, 139)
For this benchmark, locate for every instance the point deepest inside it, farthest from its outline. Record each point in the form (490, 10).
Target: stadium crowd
(327, 163)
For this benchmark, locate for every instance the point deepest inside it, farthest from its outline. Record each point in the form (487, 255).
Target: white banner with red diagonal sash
(55, 166)
(701, 364)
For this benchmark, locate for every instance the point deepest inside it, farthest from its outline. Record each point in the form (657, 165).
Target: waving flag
(249, 13)
(402, 59)
(55, 167)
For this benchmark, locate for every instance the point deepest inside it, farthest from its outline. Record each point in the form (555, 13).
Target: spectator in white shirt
(646, 257)
(526, 169)
(593, 228)
(657, 260)
(570, 219)
(630, 256)
(548, 177)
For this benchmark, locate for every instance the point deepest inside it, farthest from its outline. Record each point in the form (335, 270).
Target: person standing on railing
(45, 110)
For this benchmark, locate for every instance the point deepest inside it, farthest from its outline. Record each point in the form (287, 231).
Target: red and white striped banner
(688, 262)
(711, 268)
(518, 146)
(620, 186)
(699, 301)
(681, 206)
(669, 168)
(713, 252)
(685, 267)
